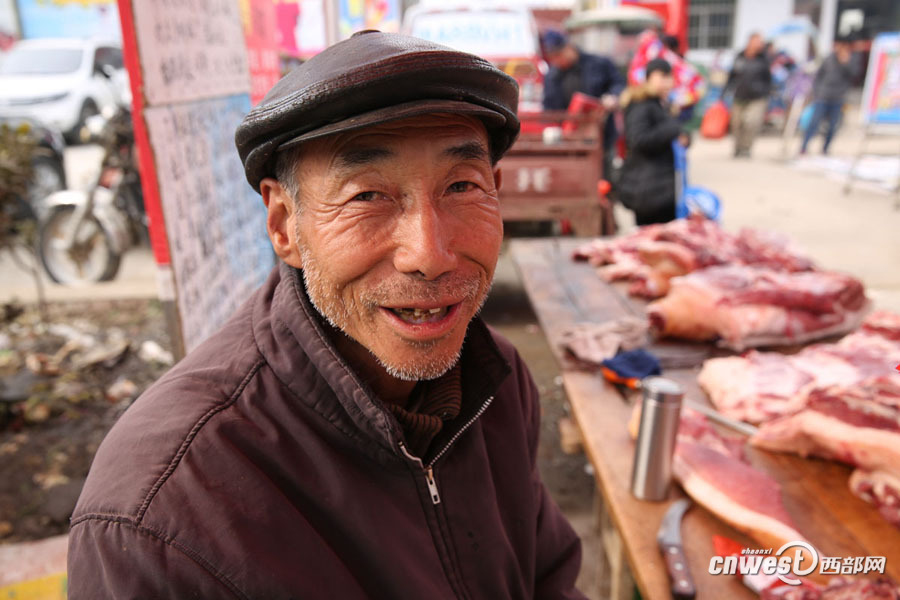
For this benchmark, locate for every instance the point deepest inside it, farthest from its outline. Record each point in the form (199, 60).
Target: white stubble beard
(338, 311)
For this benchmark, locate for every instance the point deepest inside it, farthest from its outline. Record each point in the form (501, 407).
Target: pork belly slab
(853, 425)
(880, 488)
(744, 497)
(713, 470)
(847, 424)
(654, 254)
(747, 306)
(760, 386)
(838, 588)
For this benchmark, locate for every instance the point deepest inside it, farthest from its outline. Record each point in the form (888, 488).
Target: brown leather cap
(374, 78)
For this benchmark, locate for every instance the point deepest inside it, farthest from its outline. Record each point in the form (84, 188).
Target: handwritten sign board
(191, 82)
(216, 223)
(191, 49)
(881, 94)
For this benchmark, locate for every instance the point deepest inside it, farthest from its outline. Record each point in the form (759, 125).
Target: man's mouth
(418, 316)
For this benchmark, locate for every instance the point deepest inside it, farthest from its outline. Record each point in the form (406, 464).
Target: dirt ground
(52, 420)
(51, 424)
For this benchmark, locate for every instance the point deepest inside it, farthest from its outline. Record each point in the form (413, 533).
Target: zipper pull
(432, 485)
(429, 474)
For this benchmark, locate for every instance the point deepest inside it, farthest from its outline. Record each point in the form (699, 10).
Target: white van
(507, 37)
(61, 82)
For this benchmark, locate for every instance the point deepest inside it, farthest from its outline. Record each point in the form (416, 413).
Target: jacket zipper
(429, 474)
(428, 469)
(461, 431)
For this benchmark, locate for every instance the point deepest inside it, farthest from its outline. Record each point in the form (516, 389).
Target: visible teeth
(420, 315)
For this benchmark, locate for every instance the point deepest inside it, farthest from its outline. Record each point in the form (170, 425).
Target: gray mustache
(409, 289)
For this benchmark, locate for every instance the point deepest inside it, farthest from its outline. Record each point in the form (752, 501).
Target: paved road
(858, 233)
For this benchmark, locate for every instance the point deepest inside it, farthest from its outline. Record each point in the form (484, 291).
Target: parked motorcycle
(84, 234)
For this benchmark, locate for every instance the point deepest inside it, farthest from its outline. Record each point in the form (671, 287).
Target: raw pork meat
(759, 386)
(844, 423)
(654, 254)
(712, 470)
(881, 488)
(744, 497)
(852, 425)
(752, 306)
(592, 343)
(838, 588)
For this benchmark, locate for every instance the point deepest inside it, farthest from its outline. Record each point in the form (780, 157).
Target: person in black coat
(647, 185)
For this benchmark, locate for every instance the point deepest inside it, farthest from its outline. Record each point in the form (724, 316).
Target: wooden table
(815, 492)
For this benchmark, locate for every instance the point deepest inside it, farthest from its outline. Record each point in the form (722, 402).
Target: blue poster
(70, 19)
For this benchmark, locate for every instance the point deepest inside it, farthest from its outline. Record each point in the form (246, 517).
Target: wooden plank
(815, 491)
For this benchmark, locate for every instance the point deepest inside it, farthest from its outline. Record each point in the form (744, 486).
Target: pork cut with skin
(651, 256)
(712, 468)
(847, 424)
(838, 588)
(747, 307)
(744, 497)
(760, 386)
(592, 343)
(881, 489)
(853, 425)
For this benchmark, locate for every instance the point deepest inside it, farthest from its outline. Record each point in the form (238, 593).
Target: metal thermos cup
(652, 472)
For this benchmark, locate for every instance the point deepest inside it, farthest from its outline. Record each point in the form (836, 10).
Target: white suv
(61, 82)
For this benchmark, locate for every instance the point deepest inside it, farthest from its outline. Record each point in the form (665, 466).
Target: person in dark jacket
(647, 185)
(354, 431)
(750, 80)
(572, 70)
(830, 87)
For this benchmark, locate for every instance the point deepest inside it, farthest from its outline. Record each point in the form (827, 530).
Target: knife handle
(676, 562)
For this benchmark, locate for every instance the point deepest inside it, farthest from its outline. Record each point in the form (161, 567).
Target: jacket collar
(294, 340)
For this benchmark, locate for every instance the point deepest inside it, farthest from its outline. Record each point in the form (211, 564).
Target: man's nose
(424, 242)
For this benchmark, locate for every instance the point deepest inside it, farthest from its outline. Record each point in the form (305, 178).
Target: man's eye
(366, 196)
(461, 187)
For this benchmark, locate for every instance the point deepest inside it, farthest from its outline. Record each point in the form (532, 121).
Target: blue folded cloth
(634, 363)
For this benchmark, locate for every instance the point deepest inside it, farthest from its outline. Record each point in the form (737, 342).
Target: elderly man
(355, 430)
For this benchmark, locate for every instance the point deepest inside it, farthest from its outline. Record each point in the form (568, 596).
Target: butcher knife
(669, 540)
(714, 415)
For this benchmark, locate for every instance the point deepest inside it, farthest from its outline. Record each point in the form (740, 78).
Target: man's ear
(281, 221)
(498, 178)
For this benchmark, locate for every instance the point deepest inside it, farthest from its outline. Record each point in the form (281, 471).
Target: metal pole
(17, 18)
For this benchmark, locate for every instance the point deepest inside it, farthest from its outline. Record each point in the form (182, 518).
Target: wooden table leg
(621, 581)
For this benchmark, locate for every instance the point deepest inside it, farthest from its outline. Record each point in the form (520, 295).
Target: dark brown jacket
(262, 467)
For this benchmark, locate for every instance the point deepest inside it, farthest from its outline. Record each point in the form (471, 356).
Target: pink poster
(300, 27)
(260, 34)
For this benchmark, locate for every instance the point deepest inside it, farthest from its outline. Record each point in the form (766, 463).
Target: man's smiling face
(398, 233)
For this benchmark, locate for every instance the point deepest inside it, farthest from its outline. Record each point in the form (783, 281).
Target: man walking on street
(751, 81)
(833, 80)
